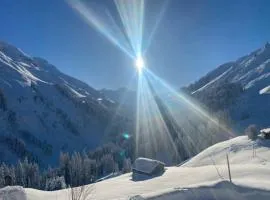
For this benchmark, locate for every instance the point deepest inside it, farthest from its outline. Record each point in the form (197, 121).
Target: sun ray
(158, 17)
(162, 113)
(190, 104)
(104, 23)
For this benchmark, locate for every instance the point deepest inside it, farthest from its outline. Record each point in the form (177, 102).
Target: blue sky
(193, 37)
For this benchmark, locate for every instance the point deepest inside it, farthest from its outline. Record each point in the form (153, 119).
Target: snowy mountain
(240, 87)
(43, 111)
(205, 176)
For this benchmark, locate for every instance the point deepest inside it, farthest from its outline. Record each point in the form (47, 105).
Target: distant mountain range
(241, 87)
(43, 111)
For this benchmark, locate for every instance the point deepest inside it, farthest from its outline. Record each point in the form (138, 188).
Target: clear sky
(193, 37)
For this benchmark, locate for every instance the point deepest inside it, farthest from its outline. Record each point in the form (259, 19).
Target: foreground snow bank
(221, 191)
(12, 193)
(203, 177)
(175, 179)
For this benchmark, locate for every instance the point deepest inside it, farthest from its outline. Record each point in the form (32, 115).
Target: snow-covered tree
(107, 164)
(64, 162)
(2, 176)
(127, 165)
(252, 132)
(55, 183)
(76, 169)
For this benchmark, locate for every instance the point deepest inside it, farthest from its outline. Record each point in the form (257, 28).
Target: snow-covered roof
(266, 130)
(146, 165)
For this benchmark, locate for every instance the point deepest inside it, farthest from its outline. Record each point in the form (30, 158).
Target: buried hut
(148, 167)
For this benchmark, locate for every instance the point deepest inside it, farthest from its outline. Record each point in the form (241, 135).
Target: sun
(139, 63)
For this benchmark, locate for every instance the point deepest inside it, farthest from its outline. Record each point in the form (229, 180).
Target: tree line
(78, 168)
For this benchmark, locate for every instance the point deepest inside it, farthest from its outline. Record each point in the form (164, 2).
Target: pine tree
(107, 163)
(20, 174)
(64, 161)
(2, 176)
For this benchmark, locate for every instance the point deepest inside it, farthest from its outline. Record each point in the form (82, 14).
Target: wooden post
(229, 169)
(253, 150)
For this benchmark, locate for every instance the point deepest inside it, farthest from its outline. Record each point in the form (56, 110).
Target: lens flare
(139, 63)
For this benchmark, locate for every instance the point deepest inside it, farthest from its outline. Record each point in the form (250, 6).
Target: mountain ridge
(45, 111)
(252, 73)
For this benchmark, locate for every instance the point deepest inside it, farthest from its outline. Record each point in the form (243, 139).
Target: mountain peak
(267, 45)
(13, 51)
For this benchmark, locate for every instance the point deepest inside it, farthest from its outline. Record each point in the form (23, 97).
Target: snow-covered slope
(203, 177)
(43, 111)
(252, 72)
(241, 151)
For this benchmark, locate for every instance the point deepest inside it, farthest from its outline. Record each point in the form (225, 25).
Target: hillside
(203, 177)
(239, 87)
(43, 111)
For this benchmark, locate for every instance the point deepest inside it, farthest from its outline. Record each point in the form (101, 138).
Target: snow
(45, 102)
(248, 62)
(111, 175)
(146, 165)
(252, 72)
(253, 82)
(77, 94)
(266, 130)
(20, 68)
(12, 193)
(263, 65)
(198, 178)
(239, 149)
(265, 90)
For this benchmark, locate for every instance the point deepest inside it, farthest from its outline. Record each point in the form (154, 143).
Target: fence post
(229, 169)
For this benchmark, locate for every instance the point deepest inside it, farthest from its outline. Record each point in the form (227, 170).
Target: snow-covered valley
(205, 176)
(44, 111)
